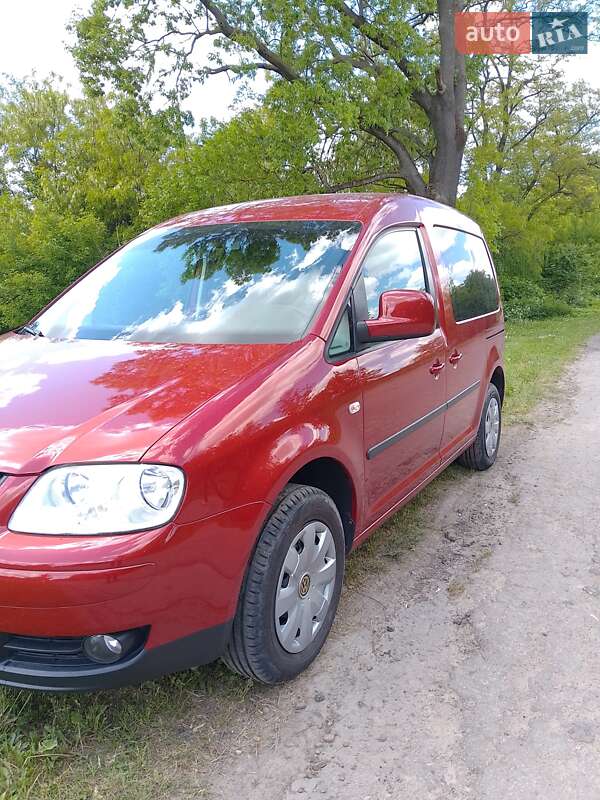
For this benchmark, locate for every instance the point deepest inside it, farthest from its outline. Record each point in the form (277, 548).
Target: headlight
(100, 499)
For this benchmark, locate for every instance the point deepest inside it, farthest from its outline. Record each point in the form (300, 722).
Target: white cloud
(18, 386)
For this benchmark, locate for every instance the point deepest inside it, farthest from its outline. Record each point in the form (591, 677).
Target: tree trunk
(445, 109)
(446, 164)
(447, 113)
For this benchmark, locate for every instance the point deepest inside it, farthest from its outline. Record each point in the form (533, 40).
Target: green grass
(536, 352)
(111, 744)
(125, 744)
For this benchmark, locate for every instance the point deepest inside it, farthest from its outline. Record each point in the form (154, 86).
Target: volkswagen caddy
(195, 435)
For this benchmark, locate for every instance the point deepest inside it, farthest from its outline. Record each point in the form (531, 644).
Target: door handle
(455, 358)
(436, 368)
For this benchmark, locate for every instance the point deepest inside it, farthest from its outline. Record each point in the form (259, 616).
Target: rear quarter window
(469, 272)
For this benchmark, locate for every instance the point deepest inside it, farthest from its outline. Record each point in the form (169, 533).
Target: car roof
(360, 207)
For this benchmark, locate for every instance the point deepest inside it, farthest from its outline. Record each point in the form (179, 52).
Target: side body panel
(481, 343)
(245, 449)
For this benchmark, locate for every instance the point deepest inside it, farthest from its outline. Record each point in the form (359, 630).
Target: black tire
(254, 650)
(476, 456)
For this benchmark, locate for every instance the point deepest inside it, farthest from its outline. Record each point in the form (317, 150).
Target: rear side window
(471, 278)
(394, 262)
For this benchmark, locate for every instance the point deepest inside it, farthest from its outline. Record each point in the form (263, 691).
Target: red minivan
(195, 435)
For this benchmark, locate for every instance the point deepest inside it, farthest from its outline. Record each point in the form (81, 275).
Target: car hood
(73, 401)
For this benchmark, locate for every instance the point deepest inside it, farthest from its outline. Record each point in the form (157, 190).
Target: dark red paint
(241, 420)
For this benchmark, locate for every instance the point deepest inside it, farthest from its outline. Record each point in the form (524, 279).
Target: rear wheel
(292, 588)
(482, 453)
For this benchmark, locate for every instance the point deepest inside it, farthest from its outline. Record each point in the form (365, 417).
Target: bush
(21, 295)
(524, 299)
(566, 272)
(517, 288)
(40, 254)
(551, 307)
(548, 307)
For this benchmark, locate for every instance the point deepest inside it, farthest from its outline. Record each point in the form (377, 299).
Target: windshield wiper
(29, 329)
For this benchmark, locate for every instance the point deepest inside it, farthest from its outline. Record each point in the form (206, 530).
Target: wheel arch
(498, 380)
(495, 370)
(330, 475)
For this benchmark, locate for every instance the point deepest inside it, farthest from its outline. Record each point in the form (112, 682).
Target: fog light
(103, 648)
(108, 648)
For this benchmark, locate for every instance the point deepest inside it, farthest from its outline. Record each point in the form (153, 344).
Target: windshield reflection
(244, 283)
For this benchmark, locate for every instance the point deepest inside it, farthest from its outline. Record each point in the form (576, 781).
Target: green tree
(381, 79)
(73, 178)
(388, 72)
(532, 161)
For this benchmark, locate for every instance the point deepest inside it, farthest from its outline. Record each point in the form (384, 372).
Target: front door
(403, 381)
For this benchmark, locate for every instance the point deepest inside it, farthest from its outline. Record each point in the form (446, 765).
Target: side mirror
(403, 314)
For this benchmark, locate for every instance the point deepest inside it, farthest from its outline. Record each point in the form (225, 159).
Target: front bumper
(180, 582)
(27, 663)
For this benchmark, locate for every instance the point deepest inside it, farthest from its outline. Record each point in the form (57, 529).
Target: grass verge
(117, 744)
(113, 744)
(536, 353)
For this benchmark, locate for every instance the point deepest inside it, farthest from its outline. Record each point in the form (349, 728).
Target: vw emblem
(304, 585)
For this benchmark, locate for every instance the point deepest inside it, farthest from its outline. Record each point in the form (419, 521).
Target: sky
(33, 35)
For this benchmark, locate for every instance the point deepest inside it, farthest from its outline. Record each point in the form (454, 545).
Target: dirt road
(469, 667)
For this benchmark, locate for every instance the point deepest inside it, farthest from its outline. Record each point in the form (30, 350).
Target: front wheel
(482, 453)
(292, 588)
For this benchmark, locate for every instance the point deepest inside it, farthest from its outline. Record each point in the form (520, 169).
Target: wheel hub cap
(305, 588)
(492, 427)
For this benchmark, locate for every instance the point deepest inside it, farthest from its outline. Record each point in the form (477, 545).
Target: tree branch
(239, 68)
(386, 43)
(408, 168)
(354, 184)
(560, 189)
(234, 34)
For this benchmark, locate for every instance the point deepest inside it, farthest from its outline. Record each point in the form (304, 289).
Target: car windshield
(243, 283)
